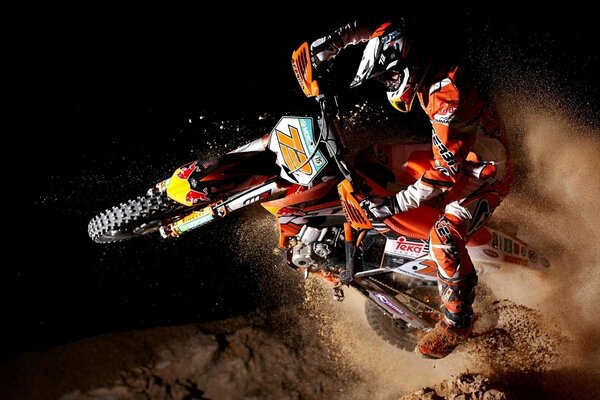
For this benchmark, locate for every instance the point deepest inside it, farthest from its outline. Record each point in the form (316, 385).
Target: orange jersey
(468, 140)
(467, 132)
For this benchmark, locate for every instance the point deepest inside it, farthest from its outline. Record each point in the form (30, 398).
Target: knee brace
(457, 295)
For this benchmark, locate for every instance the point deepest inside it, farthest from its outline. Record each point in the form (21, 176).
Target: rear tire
(394, 331)
(137, 217)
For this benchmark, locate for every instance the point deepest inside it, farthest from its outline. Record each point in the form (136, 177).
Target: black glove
(381, 207)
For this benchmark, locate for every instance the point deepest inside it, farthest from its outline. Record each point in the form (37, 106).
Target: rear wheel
(137, 217)
(393, 331)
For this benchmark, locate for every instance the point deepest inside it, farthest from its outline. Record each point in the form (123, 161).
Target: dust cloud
(543, 322)
(555, 205)
(384, 371)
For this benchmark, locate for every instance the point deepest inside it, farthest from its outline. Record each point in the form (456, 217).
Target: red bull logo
(186, 171)
(194, 196)
(289, 211)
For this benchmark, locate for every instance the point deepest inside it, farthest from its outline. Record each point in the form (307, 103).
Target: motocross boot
(457, 324)
(442, 340)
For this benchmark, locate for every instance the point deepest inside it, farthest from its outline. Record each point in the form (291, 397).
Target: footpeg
(346, 277)
(338, 293)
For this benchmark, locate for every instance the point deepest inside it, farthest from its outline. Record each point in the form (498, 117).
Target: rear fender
(494, 247)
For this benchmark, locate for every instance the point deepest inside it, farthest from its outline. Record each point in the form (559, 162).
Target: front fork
(193, 220)
(189, 221)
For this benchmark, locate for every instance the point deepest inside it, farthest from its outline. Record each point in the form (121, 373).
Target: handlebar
(329, 128)
(329, 124)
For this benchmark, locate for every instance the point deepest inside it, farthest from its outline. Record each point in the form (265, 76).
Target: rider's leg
(457, 277)
(456, 274)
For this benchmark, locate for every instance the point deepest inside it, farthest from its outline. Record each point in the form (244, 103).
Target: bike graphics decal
(252, 195)
(294, 143)
(299, 217)
(533, 257)
(192, 221)
(397, 311)
(383, 299)
(257, 197)
(293, 151)
(421, 268)
(515, 260)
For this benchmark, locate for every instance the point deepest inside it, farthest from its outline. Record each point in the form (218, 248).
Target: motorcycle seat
(415, 223)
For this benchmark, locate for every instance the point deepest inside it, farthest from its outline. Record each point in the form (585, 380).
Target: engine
(314, 249)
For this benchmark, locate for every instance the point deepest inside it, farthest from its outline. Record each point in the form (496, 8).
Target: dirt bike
(298, 174)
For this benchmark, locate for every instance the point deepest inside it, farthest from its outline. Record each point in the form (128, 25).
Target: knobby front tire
(136, 217)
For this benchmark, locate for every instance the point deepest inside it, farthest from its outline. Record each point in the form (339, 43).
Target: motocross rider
(469, 143)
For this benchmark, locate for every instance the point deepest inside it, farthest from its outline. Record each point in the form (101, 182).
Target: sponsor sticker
(507, 245)
(491, 253)
(294, 143)
(387, 302)
(515, 260)
(533, 257)
(405, 247)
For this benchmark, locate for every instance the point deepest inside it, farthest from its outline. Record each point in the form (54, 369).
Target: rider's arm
(327, 47)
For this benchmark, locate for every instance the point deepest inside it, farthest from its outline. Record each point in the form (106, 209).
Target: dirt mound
(294, 354)
(257, 357)
(465, 386)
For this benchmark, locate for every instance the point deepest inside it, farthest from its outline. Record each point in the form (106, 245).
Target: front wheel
(137, 217)
(393, 331)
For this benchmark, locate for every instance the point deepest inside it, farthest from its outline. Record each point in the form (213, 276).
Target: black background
(108, 95)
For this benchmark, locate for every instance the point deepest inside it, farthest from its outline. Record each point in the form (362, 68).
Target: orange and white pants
(470, 203)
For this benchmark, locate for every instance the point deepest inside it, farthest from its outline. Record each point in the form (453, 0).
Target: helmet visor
(403, 91)
(392, 79)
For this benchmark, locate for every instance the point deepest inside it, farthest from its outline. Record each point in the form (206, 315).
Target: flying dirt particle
(520, 341)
